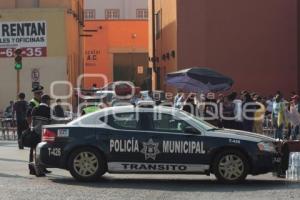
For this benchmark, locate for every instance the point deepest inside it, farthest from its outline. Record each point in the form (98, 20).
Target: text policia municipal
(179, 147)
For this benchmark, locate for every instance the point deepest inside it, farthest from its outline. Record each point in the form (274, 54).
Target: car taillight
(48, 136)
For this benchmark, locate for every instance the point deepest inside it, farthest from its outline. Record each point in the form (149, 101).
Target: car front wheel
(86, 164)
(231, 167)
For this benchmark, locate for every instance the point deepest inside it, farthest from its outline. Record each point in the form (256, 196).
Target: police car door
(130, 144)
(180, 147)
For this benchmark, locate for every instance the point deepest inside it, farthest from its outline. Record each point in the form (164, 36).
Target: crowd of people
(246, 111)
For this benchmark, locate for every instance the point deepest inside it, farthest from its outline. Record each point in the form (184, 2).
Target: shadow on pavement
(13, 176)
(186, 185)
(13, 160)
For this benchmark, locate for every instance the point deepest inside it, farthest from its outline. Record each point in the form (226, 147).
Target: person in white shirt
(238, 112)
(179, 100)
(269, 103)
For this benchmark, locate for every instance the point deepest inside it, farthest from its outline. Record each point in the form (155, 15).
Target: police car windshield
(205, 125)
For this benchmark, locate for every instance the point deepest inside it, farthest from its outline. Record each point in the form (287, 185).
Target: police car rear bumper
(49, 155)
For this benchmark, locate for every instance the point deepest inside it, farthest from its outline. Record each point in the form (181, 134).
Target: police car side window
(169, 123)
(125, 121)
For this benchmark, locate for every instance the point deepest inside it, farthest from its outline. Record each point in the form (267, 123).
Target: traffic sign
(35, 75)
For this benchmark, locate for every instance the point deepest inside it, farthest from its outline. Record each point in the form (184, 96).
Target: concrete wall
(127, 7)
(7, 4)
(121, 36)
(254, 42)
(167, 41)
(63, 62)
(26, 3)
(51, 69)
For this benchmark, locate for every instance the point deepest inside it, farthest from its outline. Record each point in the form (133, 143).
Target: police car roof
(131, 108)
(121, 109)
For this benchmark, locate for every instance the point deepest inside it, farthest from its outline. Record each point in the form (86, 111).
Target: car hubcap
(231, 167)
(86, 164)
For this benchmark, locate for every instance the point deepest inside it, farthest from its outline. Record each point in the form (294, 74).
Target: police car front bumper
(265, 162)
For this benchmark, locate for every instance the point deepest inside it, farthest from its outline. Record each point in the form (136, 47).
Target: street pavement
(16, 183)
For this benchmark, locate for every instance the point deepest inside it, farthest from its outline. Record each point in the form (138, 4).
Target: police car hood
(243, 135)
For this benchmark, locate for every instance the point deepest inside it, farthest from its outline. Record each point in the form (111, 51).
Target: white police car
(130, 139)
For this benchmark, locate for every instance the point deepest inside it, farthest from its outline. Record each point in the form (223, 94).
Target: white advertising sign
(30, 36)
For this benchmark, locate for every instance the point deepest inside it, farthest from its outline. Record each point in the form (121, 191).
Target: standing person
(269, 104)
(248, 113)
(295, 111)
(189, 105)
(259, 115)
(34, 102)
(8, 113)
(238, 112)
(289, 105)
(210, 111)
(94, 87)
(90, 107)
(220, 102)
(41, 115)
(20, 109)
(58, 109)
(136, 97)
(228, 113)
(179, 99)
(278, 117)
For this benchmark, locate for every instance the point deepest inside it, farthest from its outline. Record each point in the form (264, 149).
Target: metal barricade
(268, 127)
(8, 130)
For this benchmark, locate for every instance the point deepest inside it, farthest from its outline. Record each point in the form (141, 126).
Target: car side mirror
(191, 130)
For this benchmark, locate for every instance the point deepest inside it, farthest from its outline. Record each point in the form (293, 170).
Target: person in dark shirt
(58, 109)
(20, 110)
(190, 105)
(9, 110)
(228, 112)
(41, 115)
(34, 102)
(248, 104)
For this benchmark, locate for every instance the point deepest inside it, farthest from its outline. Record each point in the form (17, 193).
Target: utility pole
(153, 41)
(18, 82)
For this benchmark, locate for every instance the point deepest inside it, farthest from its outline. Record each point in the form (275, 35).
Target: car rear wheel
(231, 167)
(86, 164)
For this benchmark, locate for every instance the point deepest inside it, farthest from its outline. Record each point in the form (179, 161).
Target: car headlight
(266, 146)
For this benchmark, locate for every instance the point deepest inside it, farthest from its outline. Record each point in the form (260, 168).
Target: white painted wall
(127, 7)
(51, 69)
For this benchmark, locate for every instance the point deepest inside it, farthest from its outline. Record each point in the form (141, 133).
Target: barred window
(89, 14)
(112, 14)
(142, 13)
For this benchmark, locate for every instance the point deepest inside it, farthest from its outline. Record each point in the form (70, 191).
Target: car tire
(230, 166)
(86, 164)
